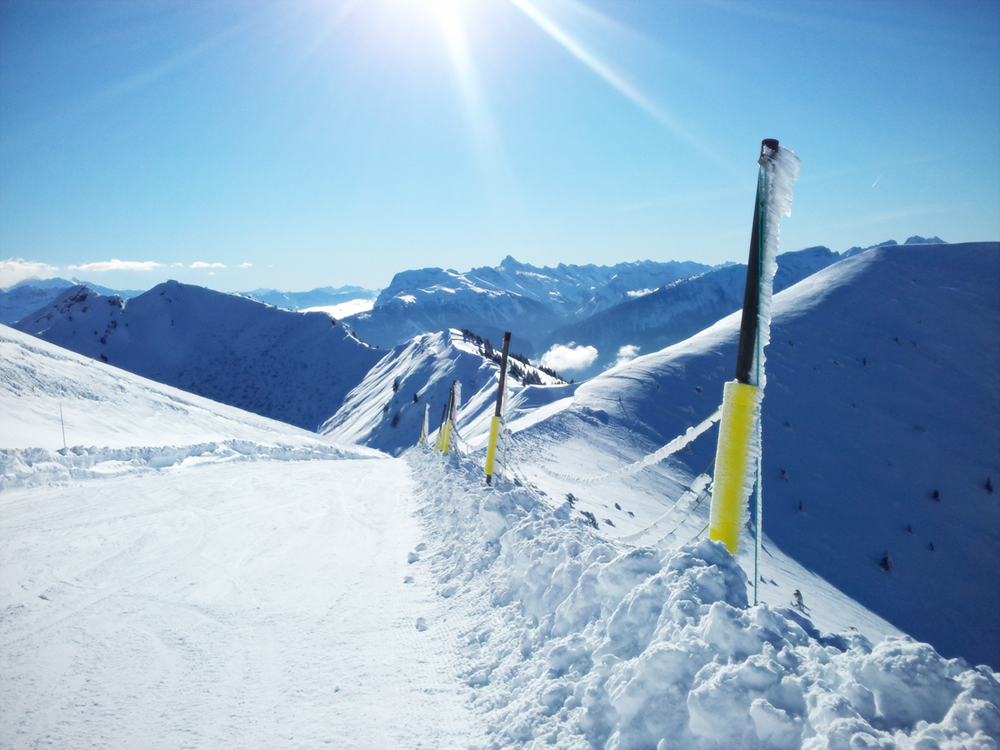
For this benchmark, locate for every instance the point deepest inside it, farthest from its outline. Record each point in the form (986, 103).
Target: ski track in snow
(227, 605)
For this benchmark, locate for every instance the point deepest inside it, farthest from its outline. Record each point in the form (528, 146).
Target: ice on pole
(425, 426)
(738, 451)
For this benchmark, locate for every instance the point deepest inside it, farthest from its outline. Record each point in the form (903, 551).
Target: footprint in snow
(421, 624)
(420, 547)
(408, 579)
(412, 557)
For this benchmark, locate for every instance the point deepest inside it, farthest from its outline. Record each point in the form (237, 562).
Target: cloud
(568, 358)
(246, 265)
(627, 353)
(18, 269)
(116, 265)
(199, 264)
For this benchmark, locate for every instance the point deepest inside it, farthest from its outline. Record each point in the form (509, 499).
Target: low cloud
(562, 358)
(199, 264)
(246, 265)
(627, 353)
(18, 269)
(116, 265)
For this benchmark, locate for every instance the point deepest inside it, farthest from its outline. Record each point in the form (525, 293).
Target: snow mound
(578, 642)
(53, 394)
(36, 466)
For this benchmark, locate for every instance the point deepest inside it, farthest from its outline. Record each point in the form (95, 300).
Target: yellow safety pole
(733, 472)
(732, 464)
(495, 424)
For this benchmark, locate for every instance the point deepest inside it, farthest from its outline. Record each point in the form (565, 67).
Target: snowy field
(261, 604)
(225, 592)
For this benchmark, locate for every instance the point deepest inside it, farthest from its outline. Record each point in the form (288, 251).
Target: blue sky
(297, 144)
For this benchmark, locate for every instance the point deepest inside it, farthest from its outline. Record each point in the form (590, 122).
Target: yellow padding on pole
(492, 449)
(732, 464)
(446, 437)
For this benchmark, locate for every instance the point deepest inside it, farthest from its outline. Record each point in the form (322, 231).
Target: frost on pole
(777, 202)
(738, 453)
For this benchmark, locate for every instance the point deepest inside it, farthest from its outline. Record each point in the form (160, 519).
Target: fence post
(495, 424)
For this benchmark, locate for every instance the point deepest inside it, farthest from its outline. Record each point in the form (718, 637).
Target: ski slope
(225, 605)
(191, 575)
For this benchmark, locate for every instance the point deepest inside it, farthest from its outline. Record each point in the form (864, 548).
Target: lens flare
(624, 87)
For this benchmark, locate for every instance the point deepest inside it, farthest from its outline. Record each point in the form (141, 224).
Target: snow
(190, 575)
(779, 178)
(225, 605)
(859, 429)
(385, 410)
(585, 643)
(343, 309)
(296, 367)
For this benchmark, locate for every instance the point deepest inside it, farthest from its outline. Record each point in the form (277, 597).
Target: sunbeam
(624, 87)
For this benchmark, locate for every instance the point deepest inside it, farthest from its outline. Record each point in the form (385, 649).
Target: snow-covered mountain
(23, 298)
(879, 430)
(649, 322)
(294, 367)
(265, 589)
(386, 410)
(517, 297)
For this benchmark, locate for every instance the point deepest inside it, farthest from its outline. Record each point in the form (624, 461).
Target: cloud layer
(116, 265)
(14, 270)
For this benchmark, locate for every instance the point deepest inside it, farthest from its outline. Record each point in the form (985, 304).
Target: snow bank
(578, 642)
(35, 466)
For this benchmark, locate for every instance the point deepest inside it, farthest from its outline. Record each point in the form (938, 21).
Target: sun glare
(611, 76)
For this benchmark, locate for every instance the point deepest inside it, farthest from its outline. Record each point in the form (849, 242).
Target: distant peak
(917, 240)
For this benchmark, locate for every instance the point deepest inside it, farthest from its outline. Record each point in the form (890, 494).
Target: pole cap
(768, 148)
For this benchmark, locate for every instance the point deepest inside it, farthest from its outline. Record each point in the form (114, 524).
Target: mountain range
(165, 550)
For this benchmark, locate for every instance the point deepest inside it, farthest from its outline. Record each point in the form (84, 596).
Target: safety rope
(678, 443)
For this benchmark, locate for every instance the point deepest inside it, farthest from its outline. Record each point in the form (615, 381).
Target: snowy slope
(24, 297)
(203, 577)
(119, 421)
(883, 385)
(386, 410)
(678, 310)
(295, 367)
(514, 296)
(581, 642)
(223, 598)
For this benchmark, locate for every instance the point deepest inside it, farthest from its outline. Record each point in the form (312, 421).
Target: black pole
(751, 294)
(503, 372)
